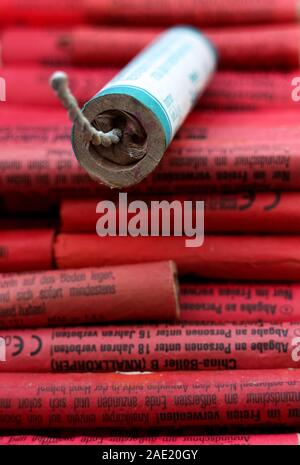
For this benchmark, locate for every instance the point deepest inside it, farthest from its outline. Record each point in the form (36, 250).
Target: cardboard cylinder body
(260, 47)
(145, 292)
(266, 127)
(263, 47)
(258, 90)
(142, 12)
(148, 102)
(232, 90)
(140, 348)
(155, 400)
(96, 439)
(24, 250)
(226, 257)
(274, 212)
(252, 48)
(35, 155)
(228, 166)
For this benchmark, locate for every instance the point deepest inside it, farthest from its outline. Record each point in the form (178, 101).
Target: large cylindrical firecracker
(147, 101)
(213, 400)
(248, 212)
(228, 166)
(35, 155)
(220, 257)
(152, 348)
(50, 126)
(165, 12)
(69, 438)
(263, 47)
(84, 46)
(145, 292)
(232, 90)
(266, 128)
(275, 47)
(23, 250)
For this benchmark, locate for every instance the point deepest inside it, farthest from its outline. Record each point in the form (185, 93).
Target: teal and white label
(168, 76)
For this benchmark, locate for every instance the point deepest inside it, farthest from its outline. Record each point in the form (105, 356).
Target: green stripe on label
(146, 99)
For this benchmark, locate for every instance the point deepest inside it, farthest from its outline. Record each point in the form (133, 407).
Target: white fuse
(147, 101)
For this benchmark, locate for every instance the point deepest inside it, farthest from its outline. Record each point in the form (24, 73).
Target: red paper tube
(268, 47)
(84, 83)
(251, 48)
(227, 165)
(74, 46)
(28, 249)
(223, 302)
(249, 90)
(140, 348)
(249, 212)
(230, 90)
(50, 126)
(146, 292)
(198, 127)
(221, 118)
(165, 12)
(291, 439)
(226, 257)
(260, 398)
(37, 157)
(49, 171)
(42, 125)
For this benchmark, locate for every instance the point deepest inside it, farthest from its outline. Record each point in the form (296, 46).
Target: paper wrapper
(251, 48)
(152, 348)
(146, 292)
(232, 90)
(226, 257)
(248, 212)
(228, 166)
(147, 102)
(260, 47)
(166, 12)
(35, 155)
(154, 400)
(24, 250)
(69, 439)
